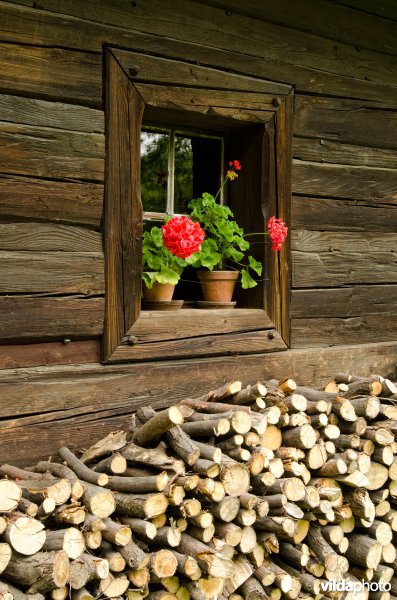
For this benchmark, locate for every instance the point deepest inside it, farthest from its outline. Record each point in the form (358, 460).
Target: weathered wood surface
(41, 113)
(340, 181)
(329, 259)
(49, 353)
(387, 9)
(56, 272)
(272, 48)
(209, 345)
(344, 120)
(308, 332)
(284, 132)
(334, 241)
(53, 73)
(327, 151)
(45, 237)
(175, 72)
(156, 325)
(122, 220)
(170, 96)
(39, 317)
(111, 392)
(59, 201)
(345, 302)
(345, 54)
(321, 18)
(51, 153)
(330, 269)
(338, 316)
(330, 214)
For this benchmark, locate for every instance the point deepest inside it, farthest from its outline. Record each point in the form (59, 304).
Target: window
(177, 166)
(191, 107)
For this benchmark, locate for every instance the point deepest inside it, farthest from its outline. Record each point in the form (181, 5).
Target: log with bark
(248, 493)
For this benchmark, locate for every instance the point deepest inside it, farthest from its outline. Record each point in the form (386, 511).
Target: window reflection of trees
(175, 168)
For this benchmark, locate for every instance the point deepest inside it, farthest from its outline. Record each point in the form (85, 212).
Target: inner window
(176, 167)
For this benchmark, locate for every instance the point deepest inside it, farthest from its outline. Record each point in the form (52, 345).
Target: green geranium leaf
(243, 244)
(246, 280)
(235, 254)
(226, 231)
(255, 265)
(211, 260)
(149, 278)
(167, 275)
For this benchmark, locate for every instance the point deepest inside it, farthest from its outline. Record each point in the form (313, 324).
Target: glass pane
(183, 174)
(154, 170)
(197, 169)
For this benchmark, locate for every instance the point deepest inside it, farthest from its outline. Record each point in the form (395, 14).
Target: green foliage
(224, 242)
(158, 263)
(154, 171)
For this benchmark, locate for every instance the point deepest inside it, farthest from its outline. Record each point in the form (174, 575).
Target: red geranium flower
(234, 166)
(182, 237)
(277, 231)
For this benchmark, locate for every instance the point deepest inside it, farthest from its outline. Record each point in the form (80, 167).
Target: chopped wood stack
(251, 494)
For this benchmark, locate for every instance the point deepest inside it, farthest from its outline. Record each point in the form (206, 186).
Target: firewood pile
(260, 493)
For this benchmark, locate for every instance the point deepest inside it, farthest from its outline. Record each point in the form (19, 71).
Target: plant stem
(221, 188)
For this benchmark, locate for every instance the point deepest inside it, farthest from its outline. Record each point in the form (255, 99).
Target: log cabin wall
(340, 57)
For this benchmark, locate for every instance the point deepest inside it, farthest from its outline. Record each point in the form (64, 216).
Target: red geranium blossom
(182, 237)
(234, 166)
(277, 231)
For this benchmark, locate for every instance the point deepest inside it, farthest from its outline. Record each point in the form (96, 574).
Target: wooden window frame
(131, 88)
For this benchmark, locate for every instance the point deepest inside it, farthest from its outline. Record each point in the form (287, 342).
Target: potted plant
(166, 251)
(223, 253)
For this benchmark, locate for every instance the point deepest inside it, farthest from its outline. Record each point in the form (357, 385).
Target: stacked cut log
(255, 493)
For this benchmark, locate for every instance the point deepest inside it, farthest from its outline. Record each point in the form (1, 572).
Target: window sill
(194, 332)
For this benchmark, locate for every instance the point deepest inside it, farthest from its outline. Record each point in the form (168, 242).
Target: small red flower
(182, 237)
(277, 230)
(234, 166)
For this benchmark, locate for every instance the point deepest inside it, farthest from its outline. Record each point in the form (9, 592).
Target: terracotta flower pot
(218, 286)
(160, 292)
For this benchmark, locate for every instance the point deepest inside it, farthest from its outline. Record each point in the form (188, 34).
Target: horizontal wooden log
(332, 214)
(332, 268)
(45, 200)
(66, 272)
(347, 302)
(47, 237)
(344, 120)
(51, 153)
(41, 113)
(361, 183)
(36, 70)
(335, 241)
(336, 21)
(327, 151)
(49, 353)
(51, 317)
(339, 331)
(220, 35)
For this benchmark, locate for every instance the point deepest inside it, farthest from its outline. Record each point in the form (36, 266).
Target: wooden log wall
(342, 62)
(341, 59)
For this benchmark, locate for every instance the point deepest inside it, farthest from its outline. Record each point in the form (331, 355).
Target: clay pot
(160, 292)
(218, 286)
